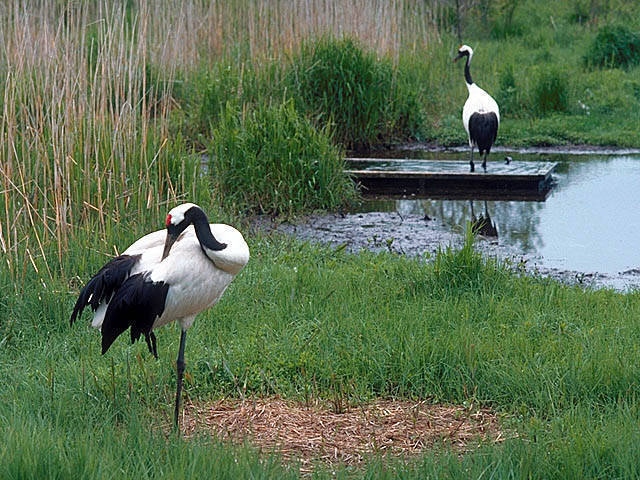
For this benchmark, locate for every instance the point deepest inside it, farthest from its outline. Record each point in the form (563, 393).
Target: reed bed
(87, 96)
(78, 142)
(204, 31)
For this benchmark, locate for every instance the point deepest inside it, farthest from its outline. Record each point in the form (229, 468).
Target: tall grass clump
(337, 82)
(614, 46)
(550, 92)
(272, 160)
(464, 269)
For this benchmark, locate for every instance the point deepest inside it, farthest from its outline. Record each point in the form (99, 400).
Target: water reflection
(516, 222)
(590, 222)
(482, 223)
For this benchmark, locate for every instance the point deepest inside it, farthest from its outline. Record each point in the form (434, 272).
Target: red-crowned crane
(480, 114)
(168, 275)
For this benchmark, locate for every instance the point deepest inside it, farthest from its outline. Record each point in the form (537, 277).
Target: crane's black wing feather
(104, 284)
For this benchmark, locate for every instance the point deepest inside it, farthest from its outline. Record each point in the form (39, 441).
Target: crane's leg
(180, 375)
(484, 162)
(150, 338)
(473, 167)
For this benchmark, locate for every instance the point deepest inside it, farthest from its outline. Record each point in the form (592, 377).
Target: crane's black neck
(201, 225)
(467, 73)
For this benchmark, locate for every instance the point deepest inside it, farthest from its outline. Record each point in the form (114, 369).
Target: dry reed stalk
(203, 32)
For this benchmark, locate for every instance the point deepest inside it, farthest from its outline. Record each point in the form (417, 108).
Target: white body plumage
(196, 282)
(478, 101)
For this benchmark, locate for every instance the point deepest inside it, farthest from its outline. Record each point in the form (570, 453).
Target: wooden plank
(452, 179)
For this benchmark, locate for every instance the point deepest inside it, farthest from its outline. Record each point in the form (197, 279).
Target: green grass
(273, 161)
(559, 364)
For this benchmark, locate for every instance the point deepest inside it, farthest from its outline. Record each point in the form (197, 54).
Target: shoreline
(415, 236)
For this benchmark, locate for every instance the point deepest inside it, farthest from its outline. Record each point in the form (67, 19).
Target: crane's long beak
(168, 243)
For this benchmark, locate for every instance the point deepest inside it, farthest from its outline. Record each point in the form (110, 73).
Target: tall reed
(78, 141)
(202, 31)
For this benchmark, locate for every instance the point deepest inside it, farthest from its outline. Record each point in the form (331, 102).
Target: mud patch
(416, 235)
(313, 433)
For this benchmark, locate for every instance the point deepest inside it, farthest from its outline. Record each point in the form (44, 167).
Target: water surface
(590, 222)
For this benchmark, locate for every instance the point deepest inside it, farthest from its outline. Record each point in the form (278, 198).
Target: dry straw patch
(314, 433)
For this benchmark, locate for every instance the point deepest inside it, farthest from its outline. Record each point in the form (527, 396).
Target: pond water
(590, 222)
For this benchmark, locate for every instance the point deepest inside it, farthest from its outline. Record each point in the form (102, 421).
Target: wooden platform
(452, 179)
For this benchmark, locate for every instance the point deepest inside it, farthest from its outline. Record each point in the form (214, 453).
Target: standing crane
(168, 275)
(480, 114)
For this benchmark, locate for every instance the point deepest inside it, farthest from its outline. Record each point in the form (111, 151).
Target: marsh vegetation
(108, 109)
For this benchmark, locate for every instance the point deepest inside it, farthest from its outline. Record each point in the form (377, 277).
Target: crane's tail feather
(136, 304)
(483, 130)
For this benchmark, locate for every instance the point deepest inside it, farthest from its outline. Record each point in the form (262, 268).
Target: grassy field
(115, 111)
(559, 366)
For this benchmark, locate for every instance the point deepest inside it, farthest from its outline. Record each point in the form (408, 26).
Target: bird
(480, 114)
(168, 275)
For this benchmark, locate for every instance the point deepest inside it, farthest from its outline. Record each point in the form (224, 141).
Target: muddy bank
(416, 235)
